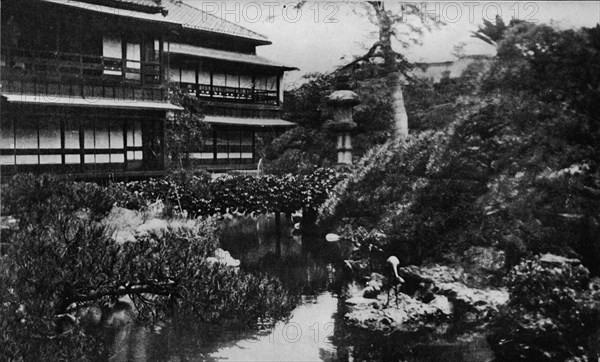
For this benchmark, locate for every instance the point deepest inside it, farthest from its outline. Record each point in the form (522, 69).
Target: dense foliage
(62, 259)
(516, 166)
(429, 106)
(197, 195)
(36, 199)
(552, 314)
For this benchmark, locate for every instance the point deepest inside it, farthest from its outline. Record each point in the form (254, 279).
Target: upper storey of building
(132, 50)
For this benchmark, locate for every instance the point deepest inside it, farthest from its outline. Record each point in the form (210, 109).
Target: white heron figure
(393, 279)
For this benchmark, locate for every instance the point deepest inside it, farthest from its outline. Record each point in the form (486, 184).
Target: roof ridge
(176, 2)
(148, 6)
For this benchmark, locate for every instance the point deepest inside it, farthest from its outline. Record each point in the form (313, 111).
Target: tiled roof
(177, 13)
(191, 17)
(177, 48)
(262, 122)
(142, 2)
(150, 6)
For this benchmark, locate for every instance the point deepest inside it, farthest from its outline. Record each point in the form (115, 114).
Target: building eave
(249, 122)
(89, 102)
(201, 52)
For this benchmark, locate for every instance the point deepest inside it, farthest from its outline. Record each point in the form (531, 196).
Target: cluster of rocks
(126, 223)
(431, 297)
(223, 257)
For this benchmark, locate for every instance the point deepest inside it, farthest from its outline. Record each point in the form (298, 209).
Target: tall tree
(405, 24)
(492, 33)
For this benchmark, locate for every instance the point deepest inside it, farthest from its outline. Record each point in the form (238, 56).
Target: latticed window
(54, 141)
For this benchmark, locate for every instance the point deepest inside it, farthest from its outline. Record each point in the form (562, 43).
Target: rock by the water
(157, 226)
(118, 319)
(223, 257)
(121, 314)
(555, 260)
(409, 315)
(358, 301)
(371, 292)
(124, 222)
(431, 274)
(481, 302)
(155, 210)
(437, 293)
(90, 316)
(443, 304)
(160, 226)
(374, 286)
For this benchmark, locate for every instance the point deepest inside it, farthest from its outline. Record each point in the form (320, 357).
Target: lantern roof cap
(340, 97)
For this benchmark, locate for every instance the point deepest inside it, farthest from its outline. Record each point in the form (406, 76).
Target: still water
(314, 332)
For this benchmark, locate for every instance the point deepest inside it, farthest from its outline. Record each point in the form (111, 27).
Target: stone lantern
(342, 102)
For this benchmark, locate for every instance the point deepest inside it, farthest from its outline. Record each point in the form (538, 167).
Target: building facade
(437, 71)
(86, 86)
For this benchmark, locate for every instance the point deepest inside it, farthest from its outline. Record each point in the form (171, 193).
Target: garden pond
(315, 330)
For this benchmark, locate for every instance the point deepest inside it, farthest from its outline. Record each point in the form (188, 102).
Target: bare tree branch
(156, 289)
(370, 54)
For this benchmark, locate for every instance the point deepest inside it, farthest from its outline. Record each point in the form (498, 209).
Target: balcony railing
(27, 71)
(232, 94)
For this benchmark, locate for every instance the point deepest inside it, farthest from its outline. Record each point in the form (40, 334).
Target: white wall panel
(27, 159)
(50, 134)
(219, 79)
(188, 75)
(7, 159)
(26, 134)
(111, 46)
(72, 159)
(50, 159)
(7, 135)
(203, 76)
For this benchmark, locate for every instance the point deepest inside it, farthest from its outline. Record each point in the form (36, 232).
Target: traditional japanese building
(86, 86)
(437, 71)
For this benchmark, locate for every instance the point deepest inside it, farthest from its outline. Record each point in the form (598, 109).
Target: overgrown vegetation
(197, 195)
(552, 315)
(515, 168)
(185, 130)
(513, 165)
(62, 260)
(430, 106)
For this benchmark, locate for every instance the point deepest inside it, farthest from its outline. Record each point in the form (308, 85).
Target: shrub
(221, 293)
(185, 130)
(551, 312)
(48, 265)
(67, 262)
(198, 195)
(32, 199)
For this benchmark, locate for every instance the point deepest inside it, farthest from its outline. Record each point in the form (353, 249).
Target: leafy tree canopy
(516, 167)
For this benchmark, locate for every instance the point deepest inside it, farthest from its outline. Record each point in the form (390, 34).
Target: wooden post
(278, 233)
(309, 226)
(212, 71)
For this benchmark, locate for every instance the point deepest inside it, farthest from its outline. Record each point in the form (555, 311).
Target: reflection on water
(129, 343)
(314, 332)
(307, 336)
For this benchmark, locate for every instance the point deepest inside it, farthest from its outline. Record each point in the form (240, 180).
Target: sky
(323, 35)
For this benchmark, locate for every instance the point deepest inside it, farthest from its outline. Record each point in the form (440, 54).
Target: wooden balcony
(27, 71)
(232, 94)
